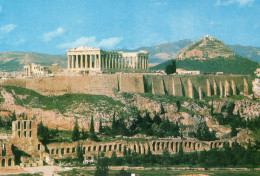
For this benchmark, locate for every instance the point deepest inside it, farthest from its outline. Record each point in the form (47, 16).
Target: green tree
(13, 116)
(43, 133)
(84, 134)
(100, 129)
(122, 172)
(157, 119)
(211, 108)
(170, 69)
(75, 133)
(80, 157)
(114, 127)
(101, 167)
(92, 129)
(178, 104)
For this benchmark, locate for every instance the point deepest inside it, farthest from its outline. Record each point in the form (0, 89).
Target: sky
(52, 26)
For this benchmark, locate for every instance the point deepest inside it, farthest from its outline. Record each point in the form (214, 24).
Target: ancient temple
(93, 59)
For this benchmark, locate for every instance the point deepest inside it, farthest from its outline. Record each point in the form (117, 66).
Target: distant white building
(33, 70)
(180, 71)
(257, 72)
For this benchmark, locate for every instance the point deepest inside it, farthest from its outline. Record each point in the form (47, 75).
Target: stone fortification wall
(198, 86)
(193, 86)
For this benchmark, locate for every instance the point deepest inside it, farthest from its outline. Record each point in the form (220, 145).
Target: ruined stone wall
(6, 155)
(91, 149)
(194, 86)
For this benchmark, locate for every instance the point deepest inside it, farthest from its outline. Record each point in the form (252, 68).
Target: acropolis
(97, 60)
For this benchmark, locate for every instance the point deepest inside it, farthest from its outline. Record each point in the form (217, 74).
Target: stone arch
(120, 147)
(194, 145)
(176, 147)
(73, 149)
(158, 145)
(134, 148)
(115, 146)
(144, 149)
(62, 151)
(84, 150)
(172, 146)
(189, 144)
(162, 145)
(89, 148)
(211, 145)
(99, 148)
(153, 146)
(3, 163)
(94, 148)
(167, 144)
(110, 148)
(10, 162)
(105, 148)
(220, 144)
(52, 151)
(215, 145)
(57, 151)
(185, 144)
(68, 150)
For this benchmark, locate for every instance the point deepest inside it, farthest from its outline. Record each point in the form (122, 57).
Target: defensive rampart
(193, 86)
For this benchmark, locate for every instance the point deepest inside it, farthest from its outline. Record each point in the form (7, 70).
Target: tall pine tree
(92, 129)
(75, 133)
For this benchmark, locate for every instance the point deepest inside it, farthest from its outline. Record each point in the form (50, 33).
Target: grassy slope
(61, 103)
(238, 65)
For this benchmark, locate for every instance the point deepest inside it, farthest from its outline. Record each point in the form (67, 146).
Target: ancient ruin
(24, 138)
(97, 60)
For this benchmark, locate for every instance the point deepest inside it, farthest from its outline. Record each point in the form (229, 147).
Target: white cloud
(160, 3)
(6, 29)
(21, 41)
(50, 35)
(239, 2)
(108, 43)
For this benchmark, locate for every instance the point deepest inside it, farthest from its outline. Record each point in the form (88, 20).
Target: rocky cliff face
(206, 48)
(189, 113)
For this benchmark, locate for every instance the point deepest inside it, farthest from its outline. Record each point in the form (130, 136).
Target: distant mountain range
(211, 55)
(14, 61)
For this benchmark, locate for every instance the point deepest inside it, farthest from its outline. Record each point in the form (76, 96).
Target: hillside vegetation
(233, 65)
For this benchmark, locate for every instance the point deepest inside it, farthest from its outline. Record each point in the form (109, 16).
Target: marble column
(86, 59)
(112, 60)
(81, 61)
(105, 60)
(73, 63)
(99, 61)
(117, 62)
(77, 61)
(68, 64)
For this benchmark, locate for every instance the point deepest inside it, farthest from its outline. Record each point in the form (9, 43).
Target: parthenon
(93, 59)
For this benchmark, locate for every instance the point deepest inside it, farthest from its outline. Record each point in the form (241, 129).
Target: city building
(187, 72)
